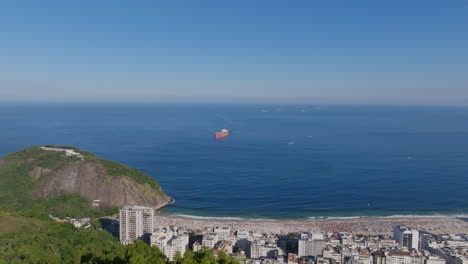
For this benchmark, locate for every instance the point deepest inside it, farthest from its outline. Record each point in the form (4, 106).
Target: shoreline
(365, 225)
(171, 201)
(312, 218)
(438, 224)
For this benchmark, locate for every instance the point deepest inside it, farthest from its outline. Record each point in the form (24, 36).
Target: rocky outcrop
(46, 173)
(38, 172)
(91, 181)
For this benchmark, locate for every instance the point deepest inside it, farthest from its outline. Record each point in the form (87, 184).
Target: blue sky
(371, 52)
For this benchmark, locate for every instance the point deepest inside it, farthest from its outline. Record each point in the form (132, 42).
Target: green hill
(29, 235)
(50, 181)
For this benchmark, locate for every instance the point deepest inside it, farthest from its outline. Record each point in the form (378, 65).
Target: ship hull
(221, 135)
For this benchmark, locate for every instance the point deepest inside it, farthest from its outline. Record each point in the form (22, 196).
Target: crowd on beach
(365, 226)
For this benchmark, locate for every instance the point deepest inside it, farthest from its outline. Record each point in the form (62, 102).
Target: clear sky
(371, 52)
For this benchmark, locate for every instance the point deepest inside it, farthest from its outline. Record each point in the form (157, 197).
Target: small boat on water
(221, 134)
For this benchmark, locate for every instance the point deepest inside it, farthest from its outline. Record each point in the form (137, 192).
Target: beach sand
(365, 226)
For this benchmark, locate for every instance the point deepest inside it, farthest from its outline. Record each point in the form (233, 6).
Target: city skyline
(235, 52)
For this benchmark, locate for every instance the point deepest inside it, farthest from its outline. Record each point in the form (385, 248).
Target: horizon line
(259, 103)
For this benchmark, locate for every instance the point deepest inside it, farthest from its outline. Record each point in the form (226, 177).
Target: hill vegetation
(32, 240)
(29, 235)
(51, 160)
(17, 185)
(44, 174)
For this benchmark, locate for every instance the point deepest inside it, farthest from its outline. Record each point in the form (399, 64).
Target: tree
(139, 252)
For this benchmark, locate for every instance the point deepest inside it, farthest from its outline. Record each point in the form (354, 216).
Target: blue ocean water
(285, 162)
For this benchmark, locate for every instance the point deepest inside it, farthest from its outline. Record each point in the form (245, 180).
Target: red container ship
(222, 133)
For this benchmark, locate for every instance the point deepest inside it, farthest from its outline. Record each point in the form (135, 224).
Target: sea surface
(285, 162)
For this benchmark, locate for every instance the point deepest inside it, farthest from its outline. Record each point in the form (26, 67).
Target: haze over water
(290, 162)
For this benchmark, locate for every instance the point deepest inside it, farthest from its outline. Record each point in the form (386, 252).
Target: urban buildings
(263, 248)
(452, 248)
(224, 246)
(333, 255)
(434, 260)
(254, 247)
(210, 239)
(293, 258)
(408, 238)
(378, 257)
(223, 232)
(196, 246)
(68, 152)
(136, 222)
(403, 257)
(170, 241)
(310, 244)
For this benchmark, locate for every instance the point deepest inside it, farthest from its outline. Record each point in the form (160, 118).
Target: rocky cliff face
(89, 179)
(2, 163)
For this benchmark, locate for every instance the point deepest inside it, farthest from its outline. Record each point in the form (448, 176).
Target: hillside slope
(104, 184)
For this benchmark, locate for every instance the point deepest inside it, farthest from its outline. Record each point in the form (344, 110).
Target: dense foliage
(37, 240)
(32, 240)
(16, 186)
(16, 183)
(117, 169)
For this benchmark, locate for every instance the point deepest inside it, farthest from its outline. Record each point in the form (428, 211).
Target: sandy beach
(367, 225)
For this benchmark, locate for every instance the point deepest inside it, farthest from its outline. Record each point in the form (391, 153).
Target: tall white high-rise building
(310, 244)
(256, 249)
(136, 222)
(406, 237)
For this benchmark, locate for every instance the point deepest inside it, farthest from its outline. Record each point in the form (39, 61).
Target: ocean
(280, 161)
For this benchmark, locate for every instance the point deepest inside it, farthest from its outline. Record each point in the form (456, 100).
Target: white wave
(335, 217)
(218, 218)
(207, 217)
(426, 216)
(389, 216)
(221, 218)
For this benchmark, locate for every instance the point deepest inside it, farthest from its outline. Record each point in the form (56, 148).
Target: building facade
(408, 238)
(310, 244)
(136, 222)
(210, 240)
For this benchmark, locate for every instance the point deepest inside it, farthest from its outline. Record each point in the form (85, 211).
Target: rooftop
(133, 207)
